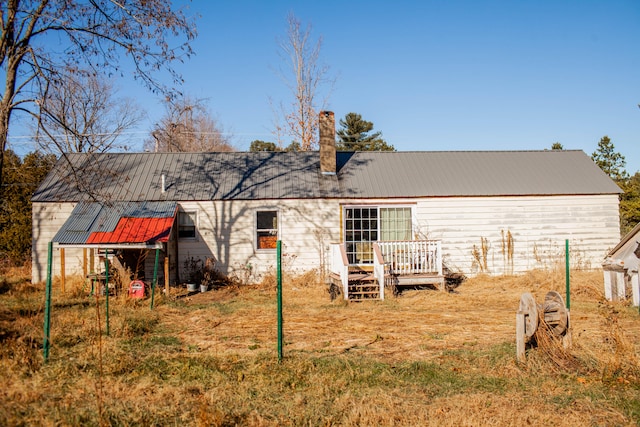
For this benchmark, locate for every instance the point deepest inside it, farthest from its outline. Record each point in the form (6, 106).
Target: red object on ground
(136, 289)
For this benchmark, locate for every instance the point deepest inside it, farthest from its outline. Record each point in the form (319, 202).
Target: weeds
(210, 359)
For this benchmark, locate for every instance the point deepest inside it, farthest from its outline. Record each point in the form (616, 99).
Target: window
(187, 225)
(395, 224)
(266, 229)
(366, 224)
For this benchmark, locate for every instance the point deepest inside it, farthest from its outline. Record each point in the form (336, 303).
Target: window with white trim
(366, 224)
(266, 229)
(187, 221)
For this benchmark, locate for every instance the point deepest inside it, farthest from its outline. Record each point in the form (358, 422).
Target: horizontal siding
(47, 219)
(226, 231)
(539, 226)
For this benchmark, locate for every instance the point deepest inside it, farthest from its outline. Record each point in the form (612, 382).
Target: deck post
(344, 271)
(378, 268)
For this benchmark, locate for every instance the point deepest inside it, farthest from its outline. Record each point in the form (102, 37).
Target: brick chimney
(327, 125)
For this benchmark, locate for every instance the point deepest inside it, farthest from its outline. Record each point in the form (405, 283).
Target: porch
(391, 266)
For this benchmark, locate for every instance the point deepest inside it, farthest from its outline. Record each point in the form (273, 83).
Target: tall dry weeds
(424, 358)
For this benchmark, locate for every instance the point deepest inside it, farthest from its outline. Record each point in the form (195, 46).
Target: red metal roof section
(135, 230)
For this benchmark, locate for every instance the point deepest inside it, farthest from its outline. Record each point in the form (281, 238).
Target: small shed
(125, 230)
(620, 268)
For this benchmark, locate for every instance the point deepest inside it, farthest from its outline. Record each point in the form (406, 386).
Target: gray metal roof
(296, 175)
(473, 173)
(188, 176)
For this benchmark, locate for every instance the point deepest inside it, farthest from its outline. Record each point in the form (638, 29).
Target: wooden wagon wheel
(529, 308)
(555, 313)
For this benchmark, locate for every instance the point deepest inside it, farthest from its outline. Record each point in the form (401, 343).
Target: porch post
(84, 262)
(166, 274)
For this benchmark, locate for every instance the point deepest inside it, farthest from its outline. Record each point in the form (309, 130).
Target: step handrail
(340, 266)
(378, 268)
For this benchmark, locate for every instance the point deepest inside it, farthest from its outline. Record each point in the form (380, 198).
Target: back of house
(495, 212)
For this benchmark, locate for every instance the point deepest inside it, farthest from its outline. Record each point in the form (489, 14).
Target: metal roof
(472, 173)
(187, 176)
(135, 230)
(296, 175)
(117, 222)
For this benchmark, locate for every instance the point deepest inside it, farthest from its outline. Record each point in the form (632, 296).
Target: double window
(364, 225)
(266, 229)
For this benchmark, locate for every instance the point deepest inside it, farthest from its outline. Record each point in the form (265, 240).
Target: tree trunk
(5, 115)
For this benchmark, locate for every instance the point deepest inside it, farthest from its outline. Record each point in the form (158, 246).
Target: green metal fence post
(567, 278)
(106, 285)
(279, 292)
(47, 306)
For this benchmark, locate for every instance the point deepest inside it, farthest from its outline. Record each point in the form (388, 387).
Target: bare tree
(80, 114)
(41, 39)
(304, 78)
(187, 126)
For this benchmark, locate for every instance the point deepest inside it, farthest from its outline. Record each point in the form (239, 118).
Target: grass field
(423, 358)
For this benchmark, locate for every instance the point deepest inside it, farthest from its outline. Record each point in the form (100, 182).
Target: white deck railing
(340, 266)
(378, 268)
(413, 256)
(395, 257)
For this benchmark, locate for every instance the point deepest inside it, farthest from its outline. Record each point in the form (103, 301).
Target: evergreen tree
(21, 178)
(354, 135)
(259, 145)
(557, 146)
(630, 203)
(611, 162)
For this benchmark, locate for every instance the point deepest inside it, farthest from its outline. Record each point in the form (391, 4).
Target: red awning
(135, 230)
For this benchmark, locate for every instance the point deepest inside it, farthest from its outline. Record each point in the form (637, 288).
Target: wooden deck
(398, 283)
(396, 264)
(363, 285)
(418, 279)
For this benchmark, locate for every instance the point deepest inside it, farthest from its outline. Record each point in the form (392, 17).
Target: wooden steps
(363, 285)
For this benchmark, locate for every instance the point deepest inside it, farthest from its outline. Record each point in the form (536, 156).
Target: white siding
(226, 231)
(47, 218)
(539, 227)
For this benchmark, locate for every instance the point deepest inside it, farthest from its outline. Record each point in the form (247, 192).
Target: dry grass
(423, 358)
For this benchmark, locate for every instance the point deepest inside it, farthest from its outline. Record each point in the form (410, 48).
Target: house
(497, 212)
(620, 268)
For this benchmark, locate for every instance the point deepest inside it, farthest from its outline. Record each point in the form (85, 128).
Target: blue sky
(431, 75)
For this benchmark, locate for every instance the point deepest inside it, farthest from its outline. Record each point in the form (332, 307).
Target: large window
(187, 224)
(266, 229)
(366, 224)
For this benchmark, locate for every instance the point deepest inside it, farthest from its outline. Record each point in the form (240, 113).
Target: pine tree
(630, 203)
(21, 178)
(611, 162)
(354, 135)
